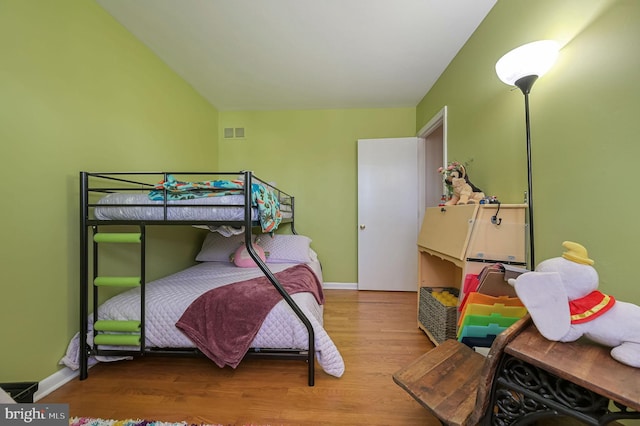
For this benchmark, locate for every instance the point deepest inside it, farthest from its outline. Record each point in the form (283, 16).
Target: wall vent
(233, 133)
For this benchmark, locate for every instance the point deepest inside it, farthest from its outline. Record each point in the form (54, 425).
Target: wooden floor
(375, 332)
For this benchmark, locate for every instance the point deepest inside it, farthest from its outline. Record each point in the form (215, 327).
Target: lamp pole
(525, 84)
(521, 67)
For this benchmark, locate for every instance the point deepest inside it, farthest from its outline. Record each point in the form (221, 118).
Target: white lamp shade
(530, 59)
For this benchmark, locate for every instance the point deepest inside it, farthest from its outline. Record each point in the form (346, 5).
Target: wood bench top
(451, 393)
(453, 381)
(583, 362)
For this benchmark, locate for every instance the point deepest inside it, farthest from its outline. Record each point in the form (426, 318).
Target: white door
(388, 213)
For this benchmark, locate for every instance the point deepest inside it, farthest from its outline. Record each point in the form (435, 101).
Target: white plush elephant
(562, 297)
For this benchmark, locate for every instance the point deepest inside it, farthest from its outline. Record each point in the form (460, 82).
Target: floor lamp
(521, 67)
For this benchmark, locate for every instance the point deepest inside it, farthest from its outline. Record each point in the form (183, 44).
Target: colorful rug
(87, 421)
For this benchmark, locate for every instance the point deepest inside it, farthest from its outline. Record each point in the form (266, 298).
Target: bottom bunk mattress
(179, 302)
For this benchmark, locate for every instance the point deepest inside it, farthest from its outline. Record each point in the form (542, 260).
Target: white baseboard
(340, 286)
(53, 382)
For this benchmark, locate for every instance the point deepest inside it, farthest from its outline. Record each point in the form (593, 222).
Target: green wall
(77, 92)
(584, 126)
(312, 154)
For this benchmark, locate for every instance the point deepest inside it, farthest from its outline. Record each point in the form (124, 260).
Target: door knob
(362, 226)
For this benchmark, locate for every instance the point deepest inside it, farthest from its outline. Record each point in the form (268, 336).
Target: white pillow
(284, 248)
(218, 248)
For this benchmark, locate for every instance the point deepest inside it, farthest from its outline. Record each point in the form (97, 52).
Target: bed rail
(93, 185)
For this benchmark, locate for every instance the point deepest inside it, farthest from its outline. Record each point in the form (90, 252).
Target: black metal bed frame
(122, 184)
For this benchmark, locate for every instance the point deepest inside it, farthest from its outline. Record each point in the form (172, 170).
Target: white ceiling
(304, 54)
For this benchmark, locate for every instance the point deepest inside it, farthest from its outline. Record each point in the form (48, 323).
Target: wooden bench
(453, 381)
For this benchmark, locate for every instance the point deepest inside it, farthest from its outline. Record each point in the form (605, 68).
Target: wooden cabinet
(458, 240)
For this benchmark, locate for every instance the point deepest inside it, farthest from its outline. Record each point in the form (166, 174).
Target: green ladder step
(114, 325)
(117, 237)
(117, 339)
(117, 281)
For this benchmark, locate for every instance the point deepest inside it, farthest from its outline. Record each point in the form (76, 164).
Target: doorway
(434, 134)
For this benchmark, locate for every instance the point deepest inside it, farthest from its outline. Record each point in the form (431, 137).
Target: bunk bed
(182, 313)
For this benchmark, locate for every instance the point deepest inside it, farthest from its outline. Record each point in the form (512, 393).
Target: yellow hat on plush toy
(576, 253)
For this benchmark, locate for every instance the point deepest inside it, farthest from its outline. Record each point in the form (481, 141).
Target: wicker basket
(439, 320)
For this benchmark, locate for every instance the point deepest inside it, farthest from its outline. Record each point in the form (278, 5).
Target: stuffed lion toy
(464, 192)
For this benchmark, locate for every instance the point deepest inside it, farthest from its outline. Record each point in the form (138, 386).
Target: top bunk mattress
(184, 197)
(130, 206)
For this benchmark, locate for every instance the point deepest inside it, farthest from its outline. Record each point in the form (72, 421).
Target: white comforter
(167, 298)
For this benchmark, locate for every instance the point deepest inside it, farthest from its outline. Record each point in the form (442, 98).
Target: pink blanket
(223, 322)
